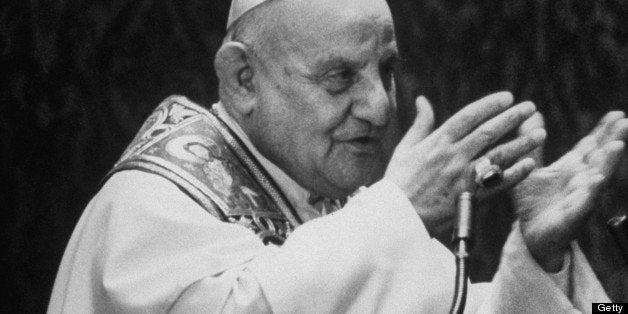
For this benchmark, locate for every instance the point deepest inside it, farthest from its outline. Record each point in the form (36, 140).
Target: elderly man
(237, 208)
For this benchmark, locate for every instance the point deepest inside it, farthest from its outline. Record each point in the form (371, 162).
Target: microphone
(487, 175)
(618, 227)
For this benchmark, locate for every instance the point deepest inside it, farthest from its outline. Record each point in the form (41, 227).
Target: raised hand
(433, 168)
(553, 202)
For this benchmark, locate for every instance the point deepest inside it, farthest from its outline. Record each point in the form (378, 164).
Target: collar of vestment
(199, 152)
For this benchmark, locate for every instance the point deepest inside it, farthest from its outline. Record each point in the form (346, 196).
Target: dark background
(79, 77)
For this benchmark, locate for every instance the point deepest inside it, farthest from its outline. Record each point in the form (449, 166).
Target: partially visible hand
(433, 168)
(553, 202)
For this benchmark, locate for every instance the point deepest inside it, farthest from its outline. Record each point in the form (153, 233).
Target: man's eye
(386, 72)
(338, 81)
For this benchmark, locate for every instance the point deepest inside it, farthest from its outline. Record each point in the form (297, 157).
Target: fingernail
(506, 95)
(614, 147)
(597, 178)
(618, 145)
(529, 162)
(612, 116)
(538, 135)
(528, 108)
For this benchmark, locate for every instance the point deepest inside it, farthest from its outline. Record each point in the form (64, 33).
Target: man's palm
(553, 202)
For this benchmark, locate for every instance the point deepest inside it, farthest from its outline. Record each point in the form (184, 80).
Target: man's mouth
(364, 144)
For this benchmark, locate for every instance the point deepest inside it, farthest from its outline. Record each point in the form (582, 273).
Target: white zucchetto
(239, 7)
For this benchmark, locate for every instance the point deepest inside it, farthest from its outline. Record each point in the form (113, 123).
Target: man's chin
(347, 181)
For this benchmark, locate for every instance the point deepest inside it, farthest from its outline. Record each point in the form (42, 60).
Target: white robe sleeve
(521, 284)
(143, 245)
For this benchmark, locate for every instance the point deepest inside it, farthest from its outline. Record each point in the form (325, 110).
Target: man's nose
(371, 102)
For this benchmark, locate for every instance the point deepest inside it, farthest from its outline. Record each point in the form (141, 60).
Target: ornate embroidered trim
(194, 149)
(258, 171)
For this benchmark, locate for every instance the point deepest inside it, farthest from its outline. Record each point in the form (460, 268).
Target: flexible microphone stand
(462, 245)
(486, 175)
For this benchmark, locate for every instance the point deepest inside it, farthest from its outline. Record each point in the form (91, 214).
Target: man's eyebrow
(336, 61)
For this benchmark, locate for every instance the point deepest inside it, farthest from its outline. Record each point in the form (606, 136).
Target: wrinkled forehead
(314, 25)
(333, 15)
(240, 7)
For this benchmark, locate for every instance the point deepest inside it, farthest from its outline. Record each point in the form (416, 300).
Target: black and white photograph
(314, 156)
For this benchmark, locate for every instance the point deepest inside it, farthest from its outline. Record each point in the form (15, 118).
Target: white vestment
(144, 246)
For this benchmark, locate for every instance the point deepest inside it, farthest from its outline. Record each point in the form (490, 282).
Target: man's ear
(236, 76)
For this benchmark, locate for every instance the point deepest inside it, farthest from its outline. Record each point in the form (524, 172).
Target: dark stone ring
(487, 174)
